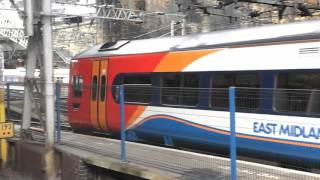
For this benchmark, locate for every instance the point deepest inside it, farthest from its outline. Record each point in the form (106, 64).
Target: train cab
(87, 98)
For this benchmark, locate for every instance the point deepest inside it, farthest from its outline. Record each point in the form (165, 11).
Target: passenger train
(175, 89)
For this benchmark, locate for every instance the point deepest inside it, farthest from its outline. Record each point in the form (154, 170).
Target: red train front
(92, 104)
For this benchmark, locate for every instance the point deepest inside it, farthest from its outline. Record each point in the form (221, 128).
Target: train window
(103, 88)
(77, 83)
(94, 88)
(180, 89)
(137, 88)
(247, 93)
(298, 93)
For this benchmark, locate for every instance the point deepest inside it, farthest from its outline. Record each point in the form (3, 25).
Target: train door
(98, 94)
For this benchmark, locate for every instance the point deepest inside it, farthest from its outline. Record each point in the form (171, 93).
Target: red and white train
(173, 89)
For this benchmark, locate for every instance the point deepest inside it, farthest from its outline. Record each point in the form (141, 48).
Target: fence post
(58, 109)
(233, 143)
(8, 101)
(122, 124)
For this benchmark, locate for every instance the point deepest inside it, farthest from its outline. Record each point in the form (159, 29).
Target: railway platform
(153, 162)
(91, 156)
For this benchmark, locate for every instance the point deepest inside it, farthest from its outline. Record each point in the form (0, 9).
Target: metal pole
(30, 69)
(233, 145)
(29, 17)
(183, 27)
(48, 71)
(2, 63)
(122, 124)
(50, 168)
(172, 27)
(58, 93)
(8, 100)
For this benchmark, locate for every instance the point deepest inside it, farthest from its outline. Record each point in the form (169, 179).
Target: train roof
(217, 39)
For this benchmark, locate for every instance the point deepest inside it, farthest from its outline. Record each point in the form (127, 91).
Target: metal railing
(247, 101)
(247, 111)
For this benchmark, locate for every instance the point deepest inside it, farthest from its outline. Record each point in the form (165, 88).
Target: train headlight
(74, 61)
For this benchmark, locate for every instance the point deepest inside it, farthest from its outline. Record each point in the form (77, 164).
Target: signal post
(6, 130)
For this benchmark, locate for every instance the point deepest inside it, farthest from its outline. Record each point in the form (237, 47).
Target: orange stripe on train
(176, 61)
(136, 114)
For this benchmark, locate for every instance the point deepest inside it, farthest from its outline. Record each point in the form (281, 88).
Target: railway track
(14, 114)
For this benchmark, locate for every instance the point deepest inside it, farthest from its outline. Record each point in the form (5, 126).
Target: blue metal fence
(8, 100)
(122, 123)
(230, 99)
(58, 112)
(233, 142)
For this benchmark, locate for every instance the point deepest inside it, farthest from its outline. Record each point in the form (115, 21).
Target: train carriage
(175, 88)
